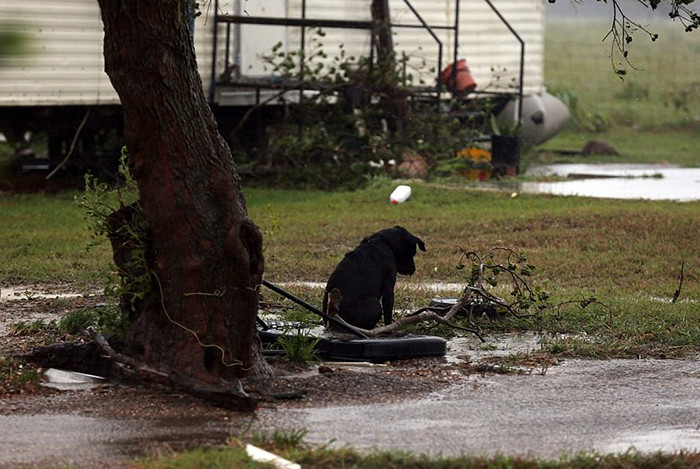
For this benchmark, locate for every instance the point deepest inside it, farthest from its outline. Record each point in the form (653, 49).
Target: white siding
(491, 50)
(65, 64)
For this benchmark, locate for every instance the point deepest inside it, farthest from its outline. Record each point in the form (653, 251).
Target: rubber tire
(375, 350)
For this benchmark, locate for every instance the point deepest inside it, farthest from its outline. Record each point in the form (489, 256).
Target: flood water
(618, 181)
(85, 441)
(606, 406)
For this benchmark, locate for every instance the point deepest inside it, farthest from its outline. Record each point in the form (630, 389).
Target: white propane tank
(400, 195)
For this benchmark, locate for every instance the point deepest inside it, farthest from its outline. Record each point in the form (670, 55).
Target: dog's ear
(420, 244)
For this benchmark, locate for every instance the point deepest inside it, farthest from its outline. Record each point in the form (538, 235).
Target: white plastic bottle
(400, 195)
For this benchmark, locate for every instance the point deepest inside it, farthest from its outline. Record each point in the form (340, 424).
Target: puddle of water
(24, 293)
(668, 440)
(496, 345)
(652, 182)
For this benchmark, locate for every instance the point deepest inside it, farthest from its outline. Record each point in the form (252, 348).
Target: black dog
(362, 286)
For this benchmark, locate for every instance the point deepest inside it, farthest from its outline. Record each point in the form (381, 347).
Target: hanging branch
(621, 31)
(688, 18)
(623, 27)
(72, 146)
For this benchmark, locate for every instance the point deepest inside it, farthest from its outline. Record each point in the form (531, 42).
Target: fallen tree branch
(476, 299)
(425, 314)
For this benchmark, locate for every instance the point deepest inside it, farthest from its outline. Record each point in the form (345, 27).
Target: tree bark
(382, 34)
(206, 261)
(395, 100)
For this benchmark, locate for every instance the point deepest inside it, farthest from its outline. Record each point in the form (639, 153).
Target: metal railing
(303, 22)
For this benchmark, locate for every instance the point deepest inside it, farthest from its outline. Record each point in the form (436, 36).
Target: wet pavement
(83, 441)
(619, 181)
(578, 405)
(604, 406)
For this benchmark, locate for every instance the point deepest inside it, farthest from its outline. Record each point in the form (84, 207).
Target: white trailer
(60, 82)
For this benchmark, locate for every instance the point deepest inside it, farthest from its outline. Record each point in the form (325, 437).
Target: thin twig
(680, 284)
(128, 364)
(72, 146)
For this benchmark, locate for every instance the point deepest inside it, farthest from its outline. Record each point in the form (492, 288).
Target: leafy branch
(623, 27)
(621, 31)
(500, 267)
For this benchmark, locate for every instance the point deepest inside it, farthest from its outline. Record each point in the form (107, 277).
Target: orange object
(479, 161)
(463, 82)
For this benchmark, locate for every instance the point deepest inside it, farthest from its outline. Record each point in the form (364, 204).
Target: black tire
(375, 350)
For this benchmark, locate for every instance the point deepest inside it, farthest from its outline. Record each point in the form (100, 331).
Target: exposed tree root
(227, 394)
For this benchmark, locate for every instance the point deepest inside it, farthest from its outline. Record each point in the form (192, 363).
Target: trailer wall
(491, 49)
(64, 63)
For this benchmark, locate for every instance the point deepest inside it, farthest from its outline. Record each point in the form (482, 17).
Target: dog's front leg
(388, 305)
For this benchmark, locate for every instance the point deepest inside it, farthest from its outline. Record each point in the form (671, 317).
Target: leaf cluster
(623, 27)
(506, 268)
(100, 202)
(353, 116)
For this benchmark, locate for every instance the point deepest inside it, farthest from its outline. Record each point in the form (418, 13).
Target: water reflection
(619, 181)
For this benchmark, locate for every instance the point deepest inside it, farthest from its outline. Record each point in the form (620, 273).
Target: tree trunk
(206, 262)
(395, 100)
(382, 34)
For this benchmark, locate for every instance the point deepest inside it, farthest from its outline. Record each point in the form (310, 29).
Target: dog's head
(403, 244)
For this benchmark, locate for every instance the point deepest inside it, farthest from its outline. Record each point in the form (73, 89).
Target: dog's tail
(331, 303)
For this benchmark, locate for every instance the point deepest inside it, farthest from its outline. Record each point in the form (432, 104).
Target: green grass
(628, 254)
(651, 116)
(576, 60)
(44, 239)
(575, 242)
(324, 458)
(626, 327)
(672, 146)
(210, 458)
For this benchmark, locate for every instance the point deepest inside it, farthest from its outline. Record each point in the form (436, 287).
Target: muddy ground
(128, 420)
(439, 406)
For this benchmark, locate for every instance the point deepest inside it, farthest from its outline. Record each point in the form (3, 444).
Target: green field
(651, 116)
(628, 254)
